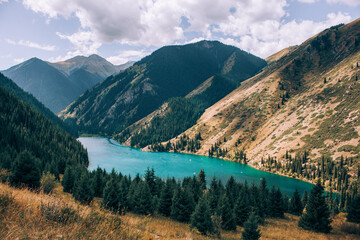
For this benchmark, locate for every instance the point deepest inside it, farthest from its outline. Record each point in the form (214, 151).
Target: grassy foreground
(28, 215)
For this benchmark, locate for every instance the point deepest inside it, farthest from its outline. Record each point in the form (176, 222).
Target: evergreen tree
(110, 196)
(354, 210)
(150, 180)
(201, 217)
(286, 203)
(228, 221)
(296, 206)
(143, 199)
(26, 171)
(276, 209)
(83, 191)
(251, 231)
(304, 199)
(122, 195)
(98, 183)
(201, 179)
(231, 191)
(317, 215)
(166, 196)
(264, 197)
(242, 209)
(68, 180)
(183, 205)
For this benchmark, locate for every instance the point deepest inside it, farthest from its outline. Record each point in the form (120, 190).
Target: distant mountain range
(56, 85)
(207, 68)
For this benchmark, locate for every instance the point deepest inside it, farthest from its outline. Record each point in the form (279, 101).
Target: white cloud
(31, 45)
(3, 1)
(351, 3)
(18, 60)
(271, 36)
(128, 55)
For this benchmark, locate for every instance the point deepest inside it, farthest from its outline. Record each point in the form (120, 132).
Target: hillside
(301, 107)
(43, 219)
(23, 129)
(172, 71)
(10, 86)
(56, 85)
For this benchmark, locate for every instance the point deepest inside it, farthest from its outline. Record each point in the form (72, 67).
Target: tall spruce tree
(201, 217)
(354, 210)
(143, 199)
(166, 196)
(304, 199)
(98, 182)
(110, 195)
(83, 191)
(68, 180)
(228, 221)
(317, 215)
(202, 179)
(251, 231)
(183, 205)
(26, 171)
(242, 208)
(295, 206)
(276, 207)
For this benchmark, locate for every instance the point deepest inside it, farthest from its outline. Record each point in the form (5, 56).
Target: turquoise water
(109, 154)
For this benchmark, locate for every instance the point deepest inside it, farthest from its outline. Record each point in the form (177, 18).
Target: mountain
(56, 85)
(172, 71)
(23, 129)
(299, 115)
(11, 87)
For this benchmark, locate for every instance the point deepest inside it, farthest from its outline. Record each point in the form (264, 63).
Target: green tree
(143, 199)
(228, 221)
(354, 210)
(183, 205)
(83, 191)
(251, 231)
(26, 171)
(295, 206)
(276, 208)
(98, 183)
(166, 196)
(242, 209)
(201, 179)
(317, 215)
(201, 217)
(68, 180)
(111, 194)
(304, 199)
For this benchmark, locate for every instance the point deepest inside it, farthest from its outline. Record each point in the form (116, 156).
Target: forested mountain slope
(172, 71)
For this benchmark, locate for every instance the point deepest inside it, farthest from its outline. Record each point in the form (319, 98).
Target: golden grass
(22, 218)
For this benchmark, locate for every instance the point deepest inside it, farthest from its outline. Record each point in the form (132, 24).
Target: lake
(109, 154)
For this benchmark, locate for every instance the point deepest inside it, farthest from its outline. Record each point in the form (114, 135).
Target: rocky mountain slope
(304, 104)
(172, 71)
(56, 85)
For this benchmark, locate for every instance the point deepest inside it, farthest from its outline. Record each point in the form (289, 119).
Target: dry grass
(21, 217)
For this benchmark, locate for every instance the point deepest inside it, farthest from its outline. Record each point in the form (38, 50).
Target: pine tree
(110, 195)
(183, 205)
(317, 215)
(295, 207)
(228, 221)
(201, 217)
(354, 210)
(26, 171)
(150, 180)
(98, 183)
(304, 199)
(166, 196)
(68, 180)
(242, 209)
(201, 179)
(276, 209)
(251, 231)
(143, 199)
(83, 191)
(231, 191)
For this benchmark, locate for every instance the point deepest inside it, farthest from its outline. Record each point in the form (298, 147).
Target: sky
(123, 30)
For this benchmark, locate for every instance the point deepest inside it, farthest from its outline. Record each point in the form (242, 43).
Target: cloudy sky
(122, 30)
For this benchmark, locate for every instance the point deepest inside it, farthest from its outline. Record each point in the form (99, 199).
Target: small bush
(6, 198)
(350, 228)
(58, 212)
(48, 182)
